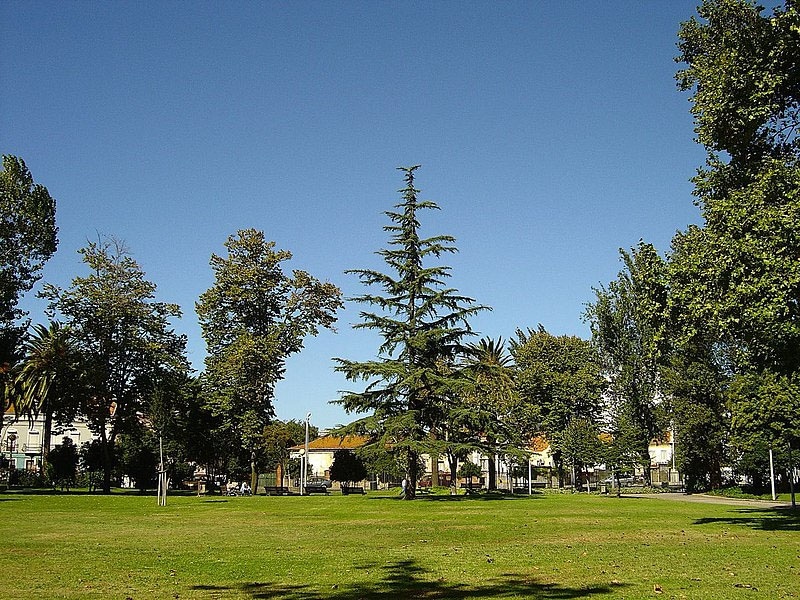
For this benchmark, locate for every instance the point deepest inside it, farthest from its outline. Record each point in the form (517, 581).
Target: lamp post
(305, 471)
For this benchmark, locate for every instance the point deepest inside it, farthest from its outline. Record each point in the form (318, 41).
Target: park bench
(347, 490)
(316, 489)
(276, 490)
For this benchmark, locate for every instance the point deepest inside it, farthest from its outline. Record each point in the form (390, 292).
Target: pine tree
(422, 323)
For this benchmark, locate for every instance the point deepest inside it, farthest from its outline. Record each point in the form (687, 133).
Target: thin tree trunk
(253, 474)
(413, 475)
(104, 443)
(46, 435)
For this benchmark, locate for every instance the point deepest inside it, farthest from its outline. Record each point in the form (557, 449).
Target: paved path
(713, 500)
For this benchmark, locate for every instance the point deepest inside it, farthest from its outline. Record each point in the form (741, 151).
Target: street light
(305, 471)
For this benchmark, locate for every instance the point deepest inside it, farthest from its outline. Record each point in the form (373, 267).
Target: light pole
(305, 471)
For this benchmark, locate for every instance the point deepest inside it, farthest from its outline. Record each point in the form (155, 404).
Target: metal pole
(530, 475)
(772, 475)
(305, 475)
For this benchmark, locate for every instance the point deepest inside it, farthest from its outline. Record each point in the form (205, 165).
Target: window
(11, 442)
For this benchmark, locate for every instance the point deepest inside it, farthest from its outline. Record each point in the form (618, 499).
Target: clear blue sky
(550, 133)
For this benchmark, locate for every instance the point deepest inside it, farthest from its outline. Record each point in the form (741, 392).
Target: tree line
(701, 340)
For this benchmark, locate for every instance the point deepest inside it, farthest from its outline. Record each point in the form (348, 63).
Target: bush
(26, 479)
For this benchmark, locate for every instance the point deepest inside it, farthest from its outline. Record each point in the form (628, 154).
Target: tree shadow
(475, 497)
(764, 519)
(407, 579)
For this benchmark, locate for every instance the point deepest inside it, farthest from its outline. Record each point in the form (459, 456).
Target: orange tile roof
(329, 442)
(539, 444)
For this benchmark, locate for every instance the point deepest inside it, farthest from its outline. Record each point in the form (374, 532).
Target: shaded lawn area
(302, 548)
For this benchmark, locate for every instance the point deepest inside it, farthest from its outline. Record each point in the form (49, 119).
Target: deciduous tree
(347, 467)
(741, 270)
(560, 378)
(253, 318)
(630, 320)
(124, 339)
(27, 240)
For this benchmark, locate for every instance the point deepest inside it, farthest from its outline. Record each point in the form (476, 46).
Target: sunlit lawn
(559, 546)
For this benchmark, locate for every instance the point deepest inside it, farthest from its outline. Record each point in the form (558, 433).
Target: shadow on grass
(765, 519)
(480, 497)
(406, 579)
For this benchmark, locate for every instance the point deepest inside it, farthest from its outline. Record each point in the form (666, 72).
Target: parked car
(623, 478)
(320, 481)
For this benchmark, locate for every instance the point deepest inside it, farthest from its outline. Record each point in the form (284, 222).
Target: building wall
(21, 440)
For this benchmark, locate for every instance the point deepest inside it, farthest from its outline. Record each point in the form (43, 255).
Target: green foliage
(468, 470)
(253, 318)
(138, 457)
(422, 323)
(123, 336)
(490, 416)
(48, 380)
(27, 240)
(383, 463)
(276, 439)
(63, 464)
(347, 467)
(741, 66)
(765, 409)
(738, 275)
(560, 379)
(629, 320)
(580, 444)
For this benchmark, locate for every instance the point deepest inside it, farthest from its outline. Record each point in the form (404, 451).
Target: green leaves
(253, 318)
(27, 240)
(422, 324)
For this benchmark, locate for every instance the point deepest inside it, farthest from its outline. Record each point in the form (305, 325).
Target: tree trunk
(104, 443)
(492, 483)
(412, 477)
(434, 471)
(644, 455)
(46, 435)
(253, 474)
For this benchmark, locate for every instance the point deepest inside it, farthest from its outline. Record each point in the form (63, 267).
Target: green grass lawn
(372, 547)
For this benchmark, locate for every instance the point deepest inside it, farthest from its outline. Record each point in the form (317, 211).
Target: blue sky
(551, 134)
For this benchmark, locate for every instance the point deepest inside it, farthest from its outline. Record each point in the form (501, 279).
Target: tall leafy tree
(253, 318)
(124, 338)
(741, 269)
(630, 321)
(27, 240)
(422, 323)
(560, 378)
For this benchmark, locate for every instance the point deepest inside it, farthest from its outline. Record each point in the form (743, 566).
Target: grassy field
(547, 546)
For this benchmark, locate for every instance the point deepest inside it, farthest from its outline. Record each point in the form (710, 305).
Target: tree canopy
(27, 240)
(253, 318)
(123, 336)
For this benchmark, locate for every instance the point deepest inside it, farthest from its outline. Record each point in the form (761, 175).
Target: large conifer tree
(422, 323)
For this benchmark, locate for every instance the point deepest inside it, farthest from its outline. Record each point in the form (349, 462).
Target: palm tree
(492, 394)
(46, 377)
